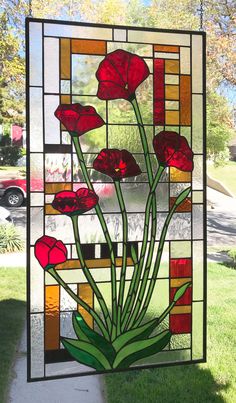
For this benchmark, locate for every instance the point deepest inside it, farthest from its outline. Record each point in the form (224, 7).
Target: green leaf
(85, 333)
(135, 334)
(182, 196)
(181, 290)
(86, 354)
(141, 349)
(134, 254)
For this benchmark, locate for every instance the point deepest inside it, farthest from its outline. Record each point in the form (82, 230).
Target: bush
(232, 254)
(10, 239)
(10, 155)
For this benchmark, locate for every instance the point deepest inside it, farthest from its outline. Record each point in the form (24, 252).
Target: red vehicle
(13, 191)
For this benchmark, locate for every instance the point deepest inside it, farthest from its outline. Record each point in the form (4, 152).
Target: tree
(12, 75)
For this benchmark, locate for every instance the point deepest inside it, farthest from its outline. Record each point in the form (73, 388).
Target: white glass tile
(37, 284)
(197, 79)
(120, 35)
(184, 60)
(171, 79)
(51, 65)
(52, 124)
(163, 55)
(197, 125)
(76, 31)
(35, 53)
(37, 345)
(36, 119)
(160, 38)
(197, 331)
(37, 199)
(197, 270)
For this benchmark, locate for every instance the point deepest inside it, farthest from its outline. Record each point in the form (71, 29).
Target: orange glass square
(172, 92)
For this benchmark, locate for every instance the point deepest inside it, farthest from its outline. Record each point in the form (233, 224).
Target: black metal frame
(203, 35)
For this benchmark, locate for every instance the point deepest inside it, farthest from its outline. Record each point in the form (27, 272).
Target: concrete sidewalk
(87, 389)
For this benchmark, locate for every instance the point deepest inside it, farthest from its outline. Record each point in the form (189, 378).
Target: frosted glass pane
(184, 60)
(35, 53)
(36, 119)
(198, 173)
(37, 199)
(180, 249)
(197, 330)
(158, 37)
(52, 124)
(119, 34)
(197, 136)
(198, 270)
(51, 65)
(37, 345)
(197, 77)
(74, 31)
(36, 220)
(37, 283)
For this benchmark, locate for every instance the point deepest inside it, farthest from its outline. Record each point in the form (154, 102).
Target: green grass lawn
(225, 174)
(12, 315)
(204, 383)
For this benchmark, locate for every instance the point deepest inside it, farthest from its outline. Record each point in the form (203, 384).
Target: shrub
(10, 155)
(232, 254)
(10, 239)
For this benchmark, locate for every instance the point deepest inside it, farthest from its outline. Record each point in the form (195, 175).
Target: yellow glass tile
(50, 210)
(172, 66)
(65, 58)
(172, 92)
(92, 263)
(65, 99)
(179, 176)
(88, 47)
(166, 48)
(172, 117)
(197, 196)
(181, 309)
(177, 282)
(52, 306)
(52, 188)
(85, 292)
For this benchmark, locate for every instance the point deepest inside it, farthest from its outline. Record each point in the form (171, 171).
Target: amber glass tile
(50, 210)
(92, 263)
(185, 206)
(65, 59)
(177, 282)
(65, 99)
(88, 47)
(172, 92)
(179, 176)
(52, 188)
(172, 117)
(185, 100)
(85, 292)
(166, 48)
(52, 313)
(181, 309)
(172, 66)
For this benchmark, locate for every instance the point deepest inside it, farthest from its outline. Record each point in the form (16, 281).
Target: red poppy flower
(173, 150)
(119, 74)
(75, 203)
(49, 251)
(78, 119)
(117, 164)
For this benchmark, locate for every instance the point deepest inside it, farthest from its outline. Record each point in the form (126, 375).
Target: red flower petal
(119, 74)
(65, 202)
(87, 199)
(117, 164)
(49, 251)
(79, 119)
(173, 150)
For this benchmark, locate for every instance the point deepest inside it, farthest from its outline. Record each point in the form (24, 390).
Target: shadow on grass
(12, 315)
(178, 384)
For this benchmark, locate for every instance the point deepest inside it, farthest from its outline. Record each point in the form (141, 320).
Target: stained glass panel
(116, 206)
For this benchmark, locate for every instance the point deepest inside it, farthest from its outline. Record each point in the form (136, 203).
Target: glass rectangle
(36, 119)
(35, 53)
(51, 65)
(197, 64)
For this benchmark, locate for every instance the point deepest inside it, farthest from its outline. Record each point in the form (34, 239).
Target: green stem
(138, 272)
(143, 252)
(106, 235)
(124, 254)
(88, 275)
(148, 297)
(80, 302)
